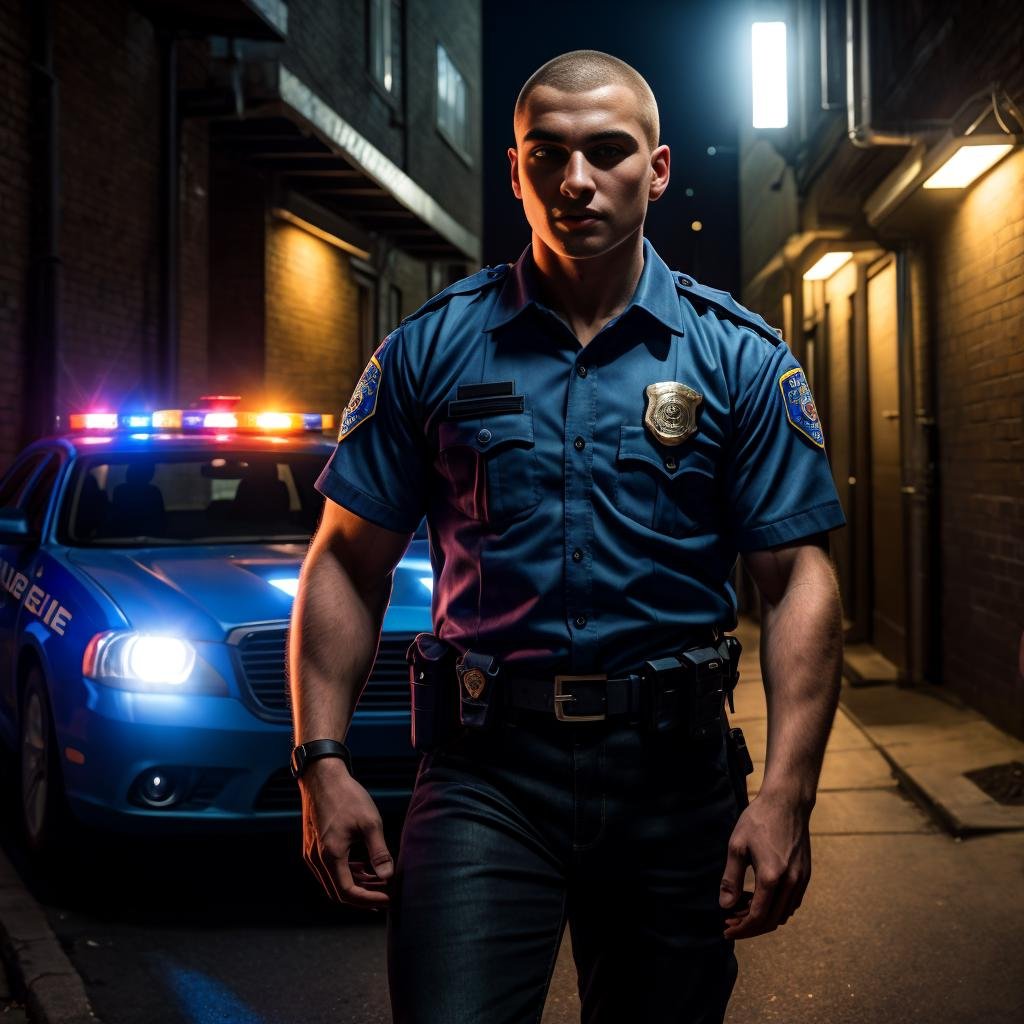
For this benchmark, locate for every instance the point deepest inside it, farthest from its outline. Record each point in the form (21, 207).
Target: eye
(607, 152)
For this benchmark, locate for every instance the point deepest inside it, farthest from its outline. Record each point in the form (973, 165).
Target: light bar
(93, 421)
(827, 266)
(965, 165)
(213, 417)
(768, 72)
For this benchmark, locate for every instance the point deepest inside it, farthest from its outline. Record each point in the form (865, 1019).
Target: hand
(337, 813)
(772, 835)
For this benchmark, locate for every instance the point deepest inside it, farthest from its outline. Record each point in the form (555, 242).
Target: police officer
(592, 438)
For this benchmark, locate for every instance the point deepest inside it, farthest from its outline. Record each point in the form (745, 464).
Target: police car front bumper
(190, 763)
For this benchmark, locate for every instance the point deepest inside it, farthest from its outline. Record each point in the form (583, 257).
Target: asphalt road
(901, 923)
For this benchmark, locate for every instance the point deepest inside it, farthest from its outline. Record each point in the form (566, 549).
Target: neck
(588, 291)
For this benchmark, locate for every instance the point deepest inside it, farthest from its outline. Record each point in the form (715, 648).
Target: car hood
(204, 593)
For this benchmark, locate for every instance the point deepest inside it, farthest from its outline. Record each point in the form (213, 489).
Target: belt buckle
(561, 698)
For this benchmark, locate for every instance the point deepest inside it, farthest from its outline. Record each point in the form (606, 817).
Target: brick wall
(313, 356)
(15, 200)
(109, 151)
(327, 49)
(979, 289)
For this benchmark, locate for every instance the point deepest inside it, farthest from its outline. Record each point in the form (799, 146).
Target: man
(592, 438)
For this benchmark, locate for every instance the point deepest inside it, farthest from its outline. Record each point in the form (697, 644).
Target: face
(584, 170)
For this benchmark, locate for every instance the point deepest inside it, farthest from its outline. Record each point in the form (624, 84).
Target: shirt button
(484, 436)
(579, 444)
(581, 370)
(671, 463)
(577, 555)
(581, 621)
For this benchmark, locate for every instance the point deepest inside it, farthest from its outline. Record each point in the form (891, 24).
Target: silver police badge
(671, 411)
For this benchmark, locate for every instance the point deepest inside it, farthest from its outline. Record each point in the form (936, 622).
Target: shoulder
(704, 298)
(487, 279)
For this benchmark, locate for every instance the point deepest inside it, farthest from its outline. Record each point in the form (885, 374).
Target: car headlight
(142, 661)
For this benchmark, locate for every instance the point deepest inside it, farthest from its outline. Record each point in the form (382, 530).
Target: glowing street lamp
(769, 74)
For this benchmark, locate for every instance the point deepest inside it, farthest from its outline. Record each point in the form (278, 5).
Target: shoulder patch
(363, 403)
(486, 278)
(724, 304)
(800, 408)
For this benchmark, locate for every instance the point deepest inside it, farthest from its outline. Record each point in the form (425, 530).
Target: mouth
(584, 219)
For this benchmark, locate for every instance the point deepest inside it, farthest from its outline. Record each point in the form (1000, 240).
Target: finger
(350, 892)
(377, 850)
(766, 887)
(732, 878)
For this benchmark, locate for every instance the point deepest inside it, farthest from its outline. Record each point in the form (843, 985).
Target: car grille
(263, 664)
(395, 774)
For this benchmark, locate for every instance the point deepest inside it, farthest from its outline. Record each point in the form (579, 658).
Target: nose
(577, 179)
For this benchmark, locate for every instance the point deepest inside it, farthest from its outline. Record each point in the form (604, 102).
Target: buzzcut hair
(584, 70)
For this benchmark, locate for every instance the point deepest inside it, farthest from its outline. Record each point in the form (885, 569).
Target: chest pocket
(667, 488)
(488, 466)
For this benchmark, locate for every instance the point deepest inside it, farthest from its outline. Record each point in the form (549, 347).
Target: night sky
(692, 54)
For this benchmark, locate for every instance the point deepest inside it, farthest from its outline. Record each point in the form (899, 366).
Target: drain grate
(1003, 782)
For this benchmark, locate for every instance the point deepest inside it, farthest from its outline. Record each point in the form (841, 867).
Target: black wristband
(314, 750)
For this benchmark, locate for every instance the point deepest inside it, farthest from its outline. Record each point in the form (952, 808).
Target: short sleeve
(378, 469)
(780, 486)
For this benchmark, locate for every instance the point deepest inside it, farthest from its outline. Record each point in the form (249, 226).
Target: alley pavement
(914, 912)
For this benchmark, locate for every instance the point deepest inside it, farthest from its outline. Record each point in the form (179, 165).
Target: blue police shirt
(566, 533)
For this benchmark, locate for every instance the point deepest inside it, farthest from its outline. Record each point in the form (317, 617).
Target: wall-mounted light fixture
(769, 74)
(318, 232)
(969, 159)
(825, 267)
(952, 162)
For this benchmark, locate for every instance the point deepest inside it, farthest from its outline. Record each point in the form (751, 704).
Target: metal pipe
(166, 383)
(858, 82)
(38, 413)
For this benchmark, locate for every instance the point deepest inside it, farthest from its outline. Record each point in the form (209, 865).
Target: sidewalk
(924, 737)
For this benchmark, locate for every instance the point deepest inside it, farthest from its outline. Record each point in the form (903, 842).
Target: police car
(148, 563)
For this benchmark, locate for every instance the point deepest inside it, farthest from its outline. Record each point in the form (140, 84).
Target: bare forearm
(801, 655)
(334, 633)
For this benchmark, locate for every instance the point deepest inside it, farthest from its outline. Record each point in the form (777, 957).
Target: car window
(188, 498)
(17, 476)
(36, 501)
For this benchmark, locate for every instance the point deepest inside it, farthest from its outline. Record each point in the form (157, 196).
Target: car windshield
(188, 498)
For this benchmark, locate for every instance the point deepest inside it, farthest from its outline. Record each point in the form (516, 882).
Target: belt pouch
(707, 672)
(664, 691)
(740, 765)
(478, 697)
(431, 691)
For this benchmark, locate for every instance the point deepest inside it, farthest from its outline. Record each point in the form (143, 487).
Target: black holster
(435, 714)
(740, 765)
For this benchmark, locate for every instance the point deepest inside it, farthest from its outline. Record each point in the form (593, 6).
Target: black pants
(511, 834)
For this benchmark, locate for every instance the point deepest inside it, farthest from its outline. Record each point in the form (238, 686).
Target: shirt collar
(655, 292)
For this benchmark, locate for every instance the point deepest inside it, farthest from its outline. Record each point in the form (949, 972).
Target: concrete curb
(54, 991)
(930, 742)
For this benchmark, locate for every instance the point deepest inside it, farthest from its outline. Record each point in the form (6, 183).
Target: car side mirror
(14, 528)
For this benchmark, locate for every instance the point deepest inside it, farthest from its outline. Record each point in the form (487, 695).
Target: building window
(452, 121)
(386, 44)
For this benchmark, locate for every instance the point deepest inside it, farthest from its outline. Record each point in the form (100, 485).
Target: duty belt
(689, 687)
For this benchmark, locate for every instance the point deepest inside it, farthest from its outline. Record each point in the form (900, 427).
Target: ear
(513, 159)
(660, 160)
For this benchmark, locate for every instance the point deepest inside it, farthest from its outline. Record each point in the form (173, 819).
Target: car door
(28, 487)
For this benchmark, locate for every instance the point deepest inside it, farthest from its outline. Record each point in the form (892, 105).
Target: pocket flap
(487, 434)
(671, 460)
